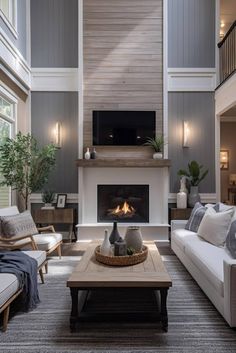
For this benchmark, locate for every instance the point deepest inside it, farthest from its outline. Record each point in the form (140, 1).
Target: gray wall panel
(19, 42)
(191, 33)
(54, 33)
(198, 109)
(48, 108)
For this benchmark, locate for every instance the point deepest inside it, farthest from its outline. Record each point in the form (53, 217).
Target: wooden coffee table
(90, 274)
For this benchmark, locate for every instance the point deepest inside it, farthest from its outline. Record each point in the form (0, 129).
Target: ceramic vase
(193, 196)
(87, 154)
(133, 238)
(115, 235)
(181, 200)
(106, 246)
(93, 154)
(157, 155)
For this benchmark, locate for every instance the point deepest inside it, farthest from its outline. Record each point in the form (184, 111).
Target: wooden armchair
(47, 239)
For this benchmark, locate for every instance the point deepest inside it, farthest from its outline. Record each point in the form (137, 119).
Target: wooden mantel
(124, 163)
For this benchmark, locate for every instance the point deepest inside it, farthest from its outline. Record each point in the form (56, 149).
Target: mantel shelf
(124, 163)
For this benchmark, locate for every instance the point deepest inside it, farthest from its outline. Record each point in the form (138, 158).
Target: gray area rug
(194, 324)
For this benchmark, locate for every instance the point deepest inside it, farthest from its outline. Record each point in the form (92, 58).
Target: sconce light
(186, 132)
(232, 179)
(58, 135)
(224, 159)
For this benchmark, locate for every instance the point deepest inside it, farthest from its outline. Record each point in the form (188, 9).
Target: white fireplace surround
(156, 178)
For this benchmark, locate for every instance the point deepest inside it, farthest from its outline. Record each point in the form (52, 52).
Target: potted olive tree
(25, 166)
(195, 174)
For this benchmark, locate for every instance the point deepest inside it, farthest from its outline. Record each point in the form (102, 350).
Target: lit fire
(124, 210)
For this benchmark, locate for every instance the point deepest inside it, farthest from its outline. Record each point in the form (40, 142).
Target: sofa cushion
(45, 241)
(214, 226)
(38, 255)
(196, 217)
(21, 224)
(209, 260)
(231, 239)
(182, 236)
(9, 284)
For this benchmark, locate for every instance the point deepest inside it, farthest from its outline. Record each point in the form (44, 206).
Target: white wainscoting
(37, 198)
(205, 198)
(13, 59)
(54, 79)
(191, 79)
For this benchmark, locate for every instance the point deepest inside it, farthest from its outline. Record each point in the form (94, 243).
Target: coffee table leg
(74, 308)
(164, 314)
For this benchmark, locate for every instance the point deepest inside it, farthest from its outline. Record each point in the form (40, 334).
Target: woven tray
(127, 260)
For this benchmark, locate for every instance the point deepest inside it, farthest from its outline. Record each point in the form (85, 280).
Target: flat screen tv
(123, 128)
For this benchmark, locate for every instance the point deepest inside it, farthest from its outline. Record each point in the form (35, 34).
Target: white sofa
(9, 285)
(212, 268)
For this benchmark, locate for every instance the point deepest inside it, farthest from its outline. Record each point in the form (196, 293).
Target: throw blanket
(25, 269)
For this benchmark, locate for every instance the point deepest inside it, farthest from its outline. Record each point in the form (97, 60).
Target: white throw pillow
(214, 226)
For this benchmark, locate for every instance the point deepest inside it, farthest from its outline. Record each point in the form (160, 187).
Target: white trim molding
(54, 79)
(37, 198)
(225, 97)
(13, 59)
(191, 79)
(11, 24)
(206, 198)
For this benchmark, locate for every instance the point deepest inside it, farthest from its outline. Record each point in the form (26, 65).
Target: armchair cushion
(45, 241)
(21, 224)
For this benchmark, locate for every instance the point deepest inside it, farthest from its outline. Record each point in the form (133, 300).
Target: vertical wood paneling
(191, 33)
(46, 109)
(54, 33)
(122, 58)
(199, 109)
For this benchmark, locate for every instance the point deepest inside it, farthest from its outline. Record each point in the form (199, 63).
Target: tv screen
(123, 128)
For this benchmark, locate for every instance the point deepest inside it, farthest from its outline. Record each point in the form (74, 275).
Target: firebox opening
(123, 203)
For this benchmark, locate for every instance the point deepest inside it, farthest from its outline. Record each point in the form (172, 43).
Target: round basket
(127, 260)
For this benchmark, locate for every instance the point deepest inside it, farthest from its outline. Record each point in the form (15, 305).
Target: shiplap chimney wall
(122, 58)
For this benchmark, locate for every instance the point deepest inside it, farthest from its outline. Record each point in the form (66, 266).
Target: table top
(89, 273)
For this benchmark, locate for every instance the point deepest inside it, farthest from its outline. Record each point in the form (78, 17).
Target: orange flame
(123, 210)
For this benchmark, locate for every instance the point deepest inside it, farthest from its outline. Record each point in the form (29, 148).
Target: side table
(180, 213)
(56, 216)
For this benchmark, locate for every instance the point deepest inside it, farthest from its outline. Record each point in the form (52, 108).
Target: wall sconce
(232, 179)
(186, 132)
(58, 135)
(224, 159)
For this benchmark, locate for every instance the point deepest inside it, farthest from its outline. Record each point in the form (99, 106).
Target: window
(8, 9)
(7, 120)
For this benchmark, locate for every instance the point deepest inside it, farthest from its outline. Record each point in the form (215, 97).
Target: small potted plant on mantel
(157, 144)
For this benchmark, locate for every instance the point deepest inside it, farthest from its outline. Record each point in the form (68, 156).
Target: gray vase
(133, 238)
(193, 196)
(115, 235)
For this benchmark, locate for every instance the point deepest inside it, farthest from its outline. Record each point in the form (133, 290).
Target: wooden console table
(56, 216)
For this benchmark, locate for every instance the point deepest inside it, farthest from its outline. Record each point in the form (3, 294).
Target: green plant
(24, 166)
(130, 251)
(48, 196)
(156, 143)
(195, 174)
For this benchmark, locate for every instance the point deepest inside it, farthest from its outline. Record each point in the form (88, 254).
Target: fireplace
(123, 203)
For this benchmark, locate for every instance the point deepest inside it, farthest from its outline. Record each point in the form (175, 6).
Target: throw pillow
(21, 224)
(196, 217)
(214, 226)
(231, 239)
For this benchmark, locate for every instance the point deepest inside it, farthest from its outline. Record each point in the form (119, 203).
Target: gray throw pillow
(21, 224)
(196, 217)
(231, 239)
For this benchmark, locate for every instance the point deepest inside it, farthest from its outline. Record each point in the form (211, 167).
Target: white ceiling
(227, 13)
